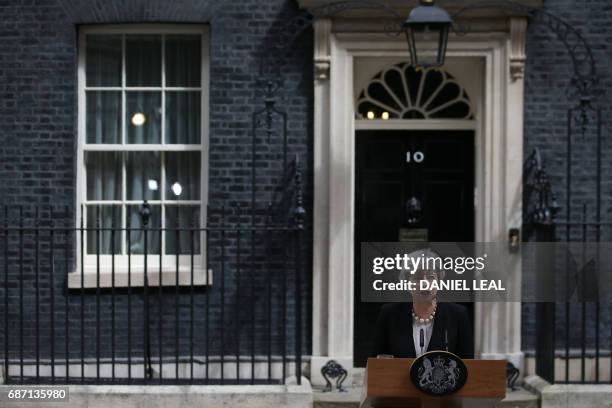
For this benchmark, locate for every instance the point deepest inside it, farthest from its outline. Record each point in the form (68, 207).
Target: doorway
(410, 186)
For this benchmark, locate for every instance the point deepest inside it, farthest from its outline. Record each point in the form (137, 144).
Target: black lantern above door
(426, 30)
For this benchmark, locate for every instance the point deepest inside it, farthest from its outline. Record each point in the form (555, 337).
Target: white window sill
(136, 279)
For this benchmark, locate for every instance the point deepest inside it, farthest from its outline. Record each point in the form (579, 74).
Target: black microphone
(422, 340)
(445, 339)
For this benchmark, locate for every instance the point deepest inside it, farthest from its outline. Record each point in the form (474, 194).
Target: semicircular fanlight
(402, 92)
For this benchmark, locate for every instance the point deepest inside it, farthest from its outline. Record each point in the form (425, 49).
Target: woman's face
(423, 291)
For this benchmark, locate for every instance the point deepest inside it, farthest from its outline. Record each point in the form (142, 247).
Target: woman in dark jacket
(411, 329)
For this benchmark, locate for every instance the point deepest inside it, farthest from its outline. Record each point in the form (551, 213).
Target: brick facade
(548, 74)
(38, 131)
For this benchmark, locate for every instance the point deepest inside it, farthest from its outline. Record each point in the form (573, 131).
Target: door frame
(499, 158)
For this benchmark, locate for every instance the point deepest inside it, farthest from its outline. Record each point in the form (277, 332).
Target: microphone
(422, 340)
(445, 339)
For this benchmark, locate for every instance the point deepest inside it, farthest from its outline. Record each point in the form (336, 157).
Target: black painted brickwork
(38, 115)
(548, 73)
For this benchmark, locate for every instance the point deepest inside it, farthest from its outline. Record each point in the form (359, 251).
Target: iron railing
(77, 308)
(573, 339)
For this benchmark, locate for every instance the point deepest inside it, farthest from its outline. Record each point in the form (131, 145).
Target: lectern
(387, 384)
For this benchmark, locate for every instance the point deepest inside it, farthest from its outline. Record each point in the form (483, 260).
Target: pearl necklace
(426, 320)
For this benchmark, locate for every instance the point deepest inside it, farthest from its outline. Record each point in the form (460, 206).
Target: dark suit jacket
(393, 332)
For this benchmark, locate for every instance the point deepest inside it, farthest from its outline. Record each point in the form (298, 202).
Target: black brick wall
(38, 115)
(548, 74)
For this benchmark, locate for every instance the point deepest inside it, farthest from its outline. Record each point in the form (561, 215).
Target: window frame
(87, 276)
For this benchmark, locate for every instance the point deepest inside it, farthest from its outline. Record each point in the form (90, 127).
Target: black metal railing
(146, 304)
(573, 338)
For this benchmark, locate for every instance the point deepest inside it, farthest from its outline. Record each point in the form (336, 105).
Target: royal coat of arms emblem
(438, 373)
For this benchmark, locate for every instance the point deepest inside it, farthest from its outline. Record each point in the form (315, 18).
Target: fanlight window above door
(403, 92)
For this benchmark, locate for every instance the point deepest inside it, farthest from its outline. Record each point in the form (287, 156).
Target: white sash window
(143, 130)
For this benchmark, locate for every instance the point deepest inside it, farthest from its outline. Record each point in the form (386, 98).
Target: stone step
(350, 399)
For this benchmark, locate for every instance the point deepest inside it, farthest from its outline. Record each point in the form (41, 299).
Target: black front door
(410, 186)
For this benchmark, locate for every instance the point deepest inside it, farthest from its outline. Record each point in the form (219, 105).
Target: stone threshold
(519, 398)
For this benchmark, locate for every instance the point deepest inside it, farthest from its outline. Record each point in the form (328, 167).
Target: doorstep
(519, 398)
(348, 399)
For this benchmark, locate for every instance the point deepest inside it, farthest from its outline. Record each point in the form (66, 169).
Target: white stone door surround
(499, 157)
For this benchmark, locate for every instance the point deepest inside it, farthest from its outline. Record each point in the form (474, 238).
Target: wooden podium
(387, 384)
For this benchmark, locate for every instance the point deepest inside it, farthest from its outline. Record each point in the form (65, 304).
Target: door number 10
(416, 157)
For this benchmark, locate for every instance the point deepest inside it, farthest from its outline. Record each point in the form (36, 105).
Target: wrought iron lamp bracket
(584, 85)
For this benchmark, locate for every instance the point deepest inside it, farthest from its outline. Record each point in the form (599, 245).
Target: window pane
(103, 216)
(103, 60)
(103, 117)
(183, 217)
(183, 117)
(143, 60)
(143, 117)
(137, 232)
(182, 175)
(143, 175)
(183, 59)
(103, 175)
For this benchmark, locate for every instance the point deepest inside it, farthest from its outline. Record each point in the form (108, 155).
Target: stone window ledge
(136, 278)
